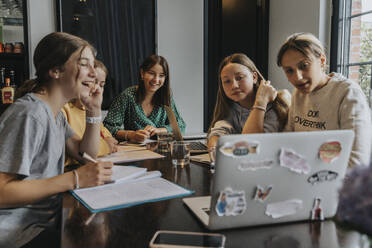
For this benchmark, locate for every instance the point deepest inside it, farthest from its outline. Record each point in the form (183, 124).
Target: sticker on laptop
(317, 211)
(255, 165)
(293, 161)
(330, 151)
(231, 202)
(239, 149)
(284, 208)
(262, 193)
(322, 176)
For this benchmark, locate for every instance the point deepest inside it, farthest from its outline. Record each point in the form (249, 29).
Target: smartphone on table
(174, 239)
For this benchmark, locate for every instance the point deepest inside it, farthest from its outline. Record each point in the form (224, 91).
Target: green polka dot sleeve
(116, 115)
(125, 114)
(180, 121)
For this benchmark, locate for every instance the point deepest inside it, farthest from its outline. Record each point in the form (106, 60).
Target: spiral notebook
(132, 187)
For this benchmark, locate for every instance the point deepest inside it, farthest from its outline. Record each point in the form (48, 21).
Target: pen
(90, 219)
(86, 156)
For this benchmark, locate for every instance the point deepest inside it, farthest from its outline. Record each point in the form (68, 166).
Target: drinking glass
(212, 157)
(164, 140)
(180, 153)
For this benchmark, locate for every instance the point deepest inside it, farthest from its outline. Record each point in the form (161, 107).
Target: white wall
(180, 41)
(41, 21)
(291, 16)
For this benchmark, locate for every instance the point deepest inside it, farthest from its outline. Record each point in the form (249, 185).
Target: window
(354, 41)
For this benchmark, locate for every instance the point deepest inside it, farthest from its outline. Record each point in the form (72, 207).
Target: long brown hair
(224, 104)
(52, 52)
(163, 95)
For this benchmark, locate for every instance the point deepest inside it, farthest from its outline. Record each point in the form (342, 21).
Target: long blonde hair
(224, 104)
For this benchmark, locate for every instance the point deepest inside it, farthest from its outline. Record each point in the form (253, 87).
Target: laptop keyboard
(198, 146)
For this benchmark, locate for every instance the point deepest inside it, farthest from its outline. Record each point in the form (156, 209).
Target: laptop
(274, 178)
(197, 141)
(194, 136)
(196, 147)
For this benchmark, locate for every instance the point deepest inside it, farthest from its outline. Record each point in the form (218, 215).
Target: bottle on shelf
(12, 79)
(7, 93)
(2, 82)
(2, 77)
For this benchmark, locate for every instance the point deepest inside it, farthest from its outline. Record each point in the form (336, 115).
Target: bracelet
(93, 120)
(126, 135)
(76, 186)
(259, 107)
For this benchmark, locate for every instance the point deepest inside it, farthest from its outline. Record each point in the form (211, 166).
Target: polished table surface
(135, 226)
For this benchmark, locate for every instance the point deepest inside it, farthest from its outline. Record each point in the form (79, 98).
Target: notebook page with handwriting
(126, 194)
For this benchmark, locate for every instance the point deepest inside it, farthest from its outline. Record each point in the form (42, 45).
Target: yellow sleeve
(64, 111)
(104, 148)
(105, 132)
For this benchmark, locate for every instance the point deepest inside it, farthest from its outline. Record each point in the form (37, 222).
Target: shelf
(12, 56)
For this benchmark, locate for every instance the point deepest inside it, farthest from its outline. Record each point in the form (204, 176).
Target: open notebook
(131, 186)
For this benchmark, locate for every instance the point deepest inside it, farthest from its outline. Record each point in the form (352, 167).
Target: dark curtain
(122, 31)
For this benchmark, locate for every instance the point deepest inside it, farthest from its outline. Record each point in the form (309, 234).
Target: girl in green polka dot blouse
(138, 112)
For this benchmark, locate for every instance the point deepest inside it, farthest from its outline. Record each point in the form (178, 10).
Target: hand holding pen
(93, 173)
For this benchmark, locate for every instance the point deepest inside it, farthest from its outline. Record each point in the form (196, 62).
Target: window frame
(340, 41)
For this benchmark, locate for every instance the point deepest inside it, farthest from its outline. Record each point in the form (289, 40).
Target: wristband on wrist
(259, 108)
(93, 120)
(76, 186)
(126, 135)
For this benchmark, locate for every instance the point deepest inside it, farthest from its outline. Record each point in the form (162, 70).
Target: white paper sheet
(284, 208)
(119, 194)
(148, 175)
(144, 143)
(122, 173)
(122, 157)
(125, 148)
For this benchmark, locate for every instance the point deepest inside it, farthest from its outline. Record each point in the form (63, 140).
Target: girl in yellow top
(74, 112)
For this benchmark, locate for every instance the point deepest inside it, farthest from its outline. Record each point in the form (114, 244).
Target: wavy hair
(224, 104)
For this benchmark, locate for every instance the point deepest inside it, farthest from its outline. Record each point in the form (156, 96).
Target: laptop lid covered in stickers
(278, 177)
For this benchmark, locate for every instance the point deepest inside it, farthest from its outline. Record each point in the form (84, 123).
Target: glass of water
(164, 140)
(180, 153)
(212, 157)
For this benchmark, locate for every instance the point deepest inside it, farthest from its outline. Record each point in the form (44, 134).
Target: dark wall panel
(234, 26)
